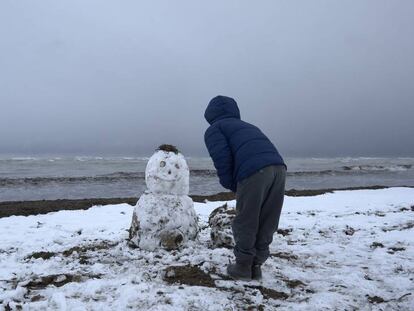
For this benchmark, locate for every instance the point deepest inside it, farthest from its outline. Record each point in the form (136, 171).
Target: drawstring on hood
(221, 107)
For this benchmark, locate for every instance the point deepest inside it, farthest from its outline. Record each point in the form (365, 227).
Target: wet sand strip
(26, 208)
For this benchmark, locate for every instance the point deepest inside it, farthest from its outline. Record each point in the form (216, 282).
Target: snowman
(164, 216)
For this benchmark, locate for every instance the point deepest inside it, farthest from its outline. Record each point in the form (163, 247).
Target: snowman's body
(164, 215)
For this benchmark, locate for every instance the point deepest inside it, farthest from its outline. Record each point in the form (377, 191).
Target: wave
(106, 178)
(116, 159)
(390, 168)
(73, 159)
(87, 158)
(195, 172)
(38, 181)
(23, 159)
(203, 173)
(355, 169)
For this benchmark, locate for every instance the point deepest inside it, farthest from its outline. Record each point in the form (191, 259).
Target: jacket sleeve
(222, 156)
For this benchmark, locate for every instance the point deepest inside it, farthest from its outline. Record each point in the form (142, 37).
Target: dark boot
(239, 271)
(256, 272)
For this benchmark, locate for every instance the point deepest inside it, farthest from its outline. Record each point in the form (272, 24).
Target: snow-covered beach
(338, 251)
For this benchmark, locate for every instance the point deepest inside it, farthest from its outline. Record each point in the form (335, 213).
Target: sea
(80, 177)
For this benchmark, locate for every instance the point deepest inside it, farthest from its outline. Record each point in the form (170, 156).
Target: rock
(375, 245)
(349, 231)
(171, 239)
(133, 231)
(188, 275)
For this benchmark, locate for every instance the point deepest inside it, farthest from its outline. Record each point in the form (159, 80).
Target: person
(249, 164)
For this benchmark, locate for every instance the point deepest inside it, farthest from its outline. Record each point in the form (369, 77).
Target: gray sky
(121, 77)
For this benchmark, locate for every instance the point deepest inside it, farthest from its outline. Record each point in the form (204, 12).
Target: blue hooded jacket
(238, 149)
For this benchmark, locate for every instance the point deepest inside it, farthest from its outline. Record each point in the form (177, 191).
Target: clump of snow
(220, 221)
(164, 215)
(80, 260)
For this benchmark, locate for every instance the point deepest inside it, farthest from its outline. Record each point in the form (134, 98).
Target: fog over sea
(49, 178)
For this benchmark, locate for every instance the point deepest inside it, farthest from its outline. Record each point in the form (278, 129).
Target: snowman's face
(167, 172)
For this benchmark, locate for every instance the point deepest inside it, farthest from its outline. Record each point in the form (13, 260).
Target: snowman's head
(167, 172)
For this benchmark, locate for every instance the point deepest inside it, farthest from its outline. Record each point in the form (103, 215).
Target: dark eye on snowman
(162, 163)
(177, 166)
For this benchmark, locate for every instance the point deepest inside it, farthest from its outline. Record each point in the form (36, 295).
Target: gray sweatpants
(259, 204)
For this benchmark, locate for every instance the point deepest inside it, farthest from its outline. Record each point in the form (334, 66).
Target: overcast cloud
(121, 77)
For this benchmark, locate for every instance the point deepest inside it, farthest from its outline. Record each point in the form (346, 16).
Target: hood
(221, 107)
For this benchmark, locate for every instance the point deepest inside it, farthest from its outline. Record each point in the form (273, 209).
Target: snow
(341, 251)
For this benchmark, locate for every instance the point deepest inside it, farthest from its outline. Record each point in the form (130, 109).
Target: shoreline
(27, 208)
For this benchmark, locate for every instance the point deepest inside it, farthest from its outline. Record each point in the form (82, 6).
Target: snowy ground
(342, 251)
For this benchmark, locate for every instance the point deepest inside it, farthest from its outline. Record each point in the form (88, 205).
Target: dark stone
(284, 232)
(284, 255)
(376, 299)
(269, 293)
(188, 275)
(57, 280)
(171, 240)
(375, 245)
(349, 231)
(168, 148)
(43, 255)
